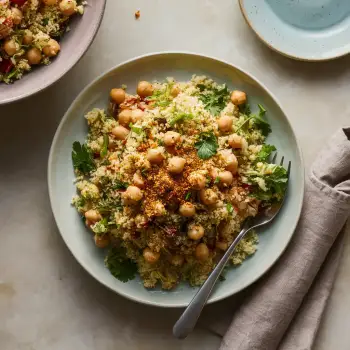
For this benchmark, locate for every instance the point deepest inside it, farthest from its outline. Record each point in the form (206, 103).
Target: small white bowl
(273, 239)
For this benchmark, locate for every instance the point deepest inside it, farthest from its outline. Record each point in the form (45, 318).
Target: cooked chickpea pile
(173, 210)
(29, 33)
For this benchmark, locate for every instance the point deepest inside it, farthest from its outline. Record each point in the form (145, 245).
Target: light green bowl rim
(72, 107)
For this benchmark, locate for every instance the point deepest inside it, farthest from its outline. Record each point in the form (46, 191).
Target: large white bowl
(273, 239)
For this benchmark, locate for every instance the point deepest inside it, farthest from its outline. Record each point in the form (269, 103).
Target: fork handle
(186, 323)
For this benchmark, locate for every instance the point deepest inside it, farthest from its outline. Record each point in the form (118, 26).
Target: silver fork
(189, 318)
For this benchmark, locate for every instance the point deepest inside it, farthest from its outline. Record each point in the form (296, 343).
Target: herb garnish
(229, 208)
(265, 153)
(206, 146)
(214, 99)
(120, 266)
(135, 129)
(180, 117)
(82, 158)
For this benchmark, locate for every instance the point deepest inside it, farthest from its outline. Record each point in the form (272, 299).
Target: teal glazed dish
(273, 240)
(308, 30)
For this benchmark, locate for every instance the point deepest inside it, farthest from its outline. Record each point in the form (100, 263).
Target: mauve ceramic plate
(273, 239)
(73, 46)
(310, 30)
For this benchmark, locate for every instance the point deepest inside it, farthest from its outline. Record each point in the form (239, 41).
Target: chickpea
(93, 215)
(136, 115)
(117, 96)
(177, 260)
(50, 2)
(17, 15)
(235, 141)
(187, 209)
(144, 89)
(202, 252)
(34, 56)
(159, 209)
(124, 117)
(214, 173)
(225, 178)
(138, 180)
(27, 37)
(195, 232)
(68, 7)
(132, 194)
(175, 91)
(155, 156)
(101, 241)
(238, 97)
(208, 196)
(221, 245)
(10, 47)
(171, 138)
(150, 256)
(231, 161)
(52, 48)
(176, 165)
(197, 180)
(120, 132)
(225, 123)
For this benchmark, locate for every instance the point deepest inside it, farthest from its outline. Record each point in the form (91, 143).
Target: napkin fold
(283, 310)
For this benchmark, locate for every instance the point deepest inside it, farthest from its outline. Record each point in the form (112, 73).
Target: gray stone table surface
(47, 301)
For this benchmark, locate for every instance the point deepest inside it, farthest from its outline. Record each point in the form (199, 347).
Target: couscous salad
(30, 31)
(167, 176)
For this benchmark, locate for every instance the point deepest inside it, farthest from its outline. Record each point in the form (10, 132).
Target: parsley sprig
(214, 99)
(82, 158)
(206, 146)
(120, 266)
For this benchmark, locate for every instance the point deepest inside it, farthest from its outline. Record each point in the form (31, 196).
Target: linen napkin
(283, 310)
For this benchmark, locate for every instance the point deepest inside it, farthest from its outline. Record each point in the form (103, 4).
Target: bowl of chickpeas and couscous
(165, 169)
(40, 40)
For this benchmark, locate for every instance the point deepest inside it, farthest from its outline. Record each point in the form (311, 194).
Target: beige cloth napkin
(283, 310)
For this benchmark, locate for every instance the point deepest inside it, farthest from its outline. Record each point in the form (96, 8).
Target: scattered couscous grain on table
(167, 176)
(30, 31)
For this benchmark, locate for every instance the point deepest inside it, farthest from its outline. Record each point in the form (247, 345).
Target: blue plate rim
(273, 48)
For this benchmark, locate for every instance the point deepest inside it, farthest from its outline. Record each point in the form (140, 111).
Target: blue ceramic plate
(273, 239)
(310, 30)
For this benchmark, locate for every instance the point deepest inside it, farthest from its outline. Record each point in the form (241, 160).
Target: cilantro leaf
(162, 97)
(105, 144)
(214, 99)
(82, 158)
(206, 146)
(45, 21)
(180, 117)
(188, 196)
(120, 266)
(265, 153)
(217, 180)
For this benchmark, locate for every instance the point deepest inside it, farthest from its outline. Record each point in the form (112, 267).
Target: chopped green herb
(214, 99)
(45, 21)
(229, 208)
(120, 266)
(104, 148)
(120, 185)
(265, 153)
(217, 180)
(258, 120)
(100, 227)
(135, 129)
(206, 146)
(160, 142)
(180, 117)
(188, 196)
(82, 158)
(269, 182)
(162, 97)
(144, 172)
